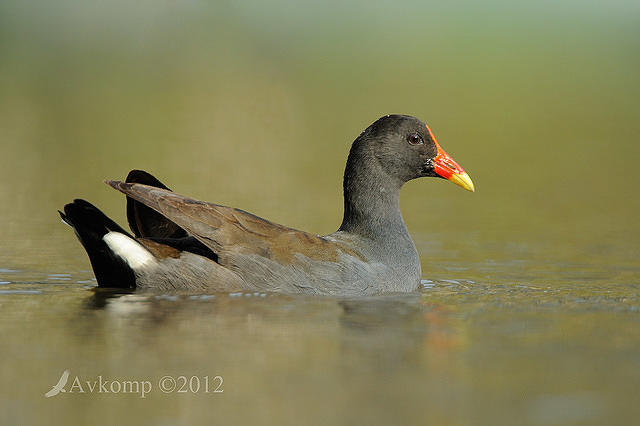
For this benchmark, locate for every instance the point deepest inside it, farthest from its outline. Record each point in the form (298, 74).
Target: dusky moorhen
(182, 243)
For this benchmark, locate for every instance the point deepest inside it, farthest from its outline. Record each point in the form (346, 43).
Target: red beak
(447, 168)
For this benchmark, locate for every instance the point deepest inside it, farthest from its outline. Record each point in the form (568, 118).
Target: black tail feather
(143, 220)
(90, 226)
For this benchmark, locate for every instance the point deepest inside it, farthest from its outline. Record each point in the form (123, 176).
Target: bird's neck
(371, 200)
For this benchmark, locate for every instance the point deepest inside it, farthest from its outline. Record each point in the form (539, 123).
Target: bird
(179, 243)
(59, 387)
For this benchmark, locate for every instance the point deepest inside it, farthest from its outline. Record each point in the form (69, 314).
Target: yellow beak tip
(463, 180)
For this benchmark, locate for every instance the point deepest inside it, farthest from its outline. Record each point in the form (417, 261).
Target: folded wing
(229, 231)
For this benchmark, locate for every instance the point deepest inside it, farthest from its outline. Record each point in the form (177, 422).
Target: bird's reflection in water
(380, 312)
(388, 331)
(154, 309)
(100, 297)
(393, 331)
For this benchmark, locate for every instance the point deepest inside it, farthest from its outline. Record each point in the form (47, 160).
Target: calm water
(530, 310)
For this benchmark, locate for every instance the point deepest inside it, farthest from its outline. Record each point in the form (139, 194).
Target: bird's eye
(415, 139)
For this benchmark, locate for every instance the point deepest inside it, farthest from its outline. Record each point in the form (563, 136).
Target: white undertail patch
(127, 248)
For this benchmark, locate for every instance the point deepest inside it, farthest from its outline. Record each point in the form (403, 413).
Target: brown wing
(229, 231)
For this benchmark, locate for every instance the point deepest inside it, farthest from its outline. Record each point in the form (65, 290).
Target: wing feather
(229, 231)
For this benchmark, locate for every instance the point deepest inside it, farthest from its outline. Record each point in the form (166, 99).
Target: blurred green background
(255, 105)
(533, 315)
